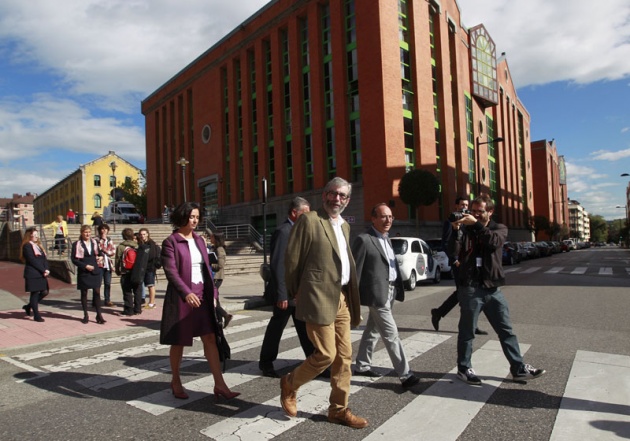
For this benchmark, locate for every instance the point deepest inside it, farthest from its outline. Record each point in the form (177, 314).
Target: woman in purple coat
(35, 271)
(87, 256)
(189, 301)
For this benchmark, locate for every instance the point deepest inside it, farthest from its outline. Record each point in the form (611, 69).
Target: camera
(457, 215)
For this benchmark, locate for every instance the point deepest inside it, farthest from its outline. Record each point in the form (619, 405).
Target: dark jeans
(472, 301)
(132, 295)
(273, 334)
(60, 243)
(107, 285)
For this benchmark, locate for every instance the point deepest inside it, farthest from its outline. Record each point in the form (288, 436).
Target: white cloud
(605, 155)
(584, 41)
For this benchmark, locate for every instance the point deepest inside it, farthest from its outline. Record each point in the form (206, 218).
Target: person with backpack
(126, 255)
(153, 264)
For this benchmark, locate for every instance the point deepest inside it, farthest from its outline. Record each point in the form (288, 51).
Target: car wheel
(411, 283)
(438, 276)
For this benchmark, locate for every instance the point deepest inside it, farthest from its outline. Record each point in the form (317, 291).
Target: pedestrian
(153, 264)
(36, 272)
(479, 251)
(461, 207)
(87, 257)
(70, 216)
(321, 276)
(60, 227)
(108, 251)
(189, 300)
(97, 219)
(166, 212)
(276, 293)
(380, 284)
(217, 241)
(132, 293)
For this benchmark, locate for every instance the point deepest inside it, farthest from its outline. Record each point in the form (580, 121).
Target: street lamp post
(478, 143)
(183, 162)
(113, 166)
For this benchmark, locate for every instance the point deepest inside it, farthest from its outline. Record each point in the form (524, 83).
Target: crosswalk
(578, 270)
(595, 400)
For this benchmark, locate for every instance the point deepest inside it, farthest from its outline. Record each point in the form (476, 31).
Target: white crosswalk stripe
(578, 270)
(605, 271)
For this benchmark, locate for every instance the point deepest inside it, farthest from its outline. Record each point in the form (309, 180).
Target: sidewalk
(62, 311)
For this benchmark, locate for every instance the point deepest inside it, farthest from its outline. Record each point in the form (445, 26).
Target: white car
(440, 255)
(416, 260)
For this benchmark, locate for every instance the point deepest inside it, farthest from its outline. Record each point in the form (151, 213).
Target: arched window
(97, 180)
(97, 201)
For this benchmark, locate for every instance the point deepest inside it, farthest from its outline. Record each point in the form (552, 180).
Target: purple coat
(177, 266)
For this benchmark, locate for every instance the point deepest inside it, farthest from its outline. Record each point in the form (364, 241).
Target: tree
(418, 188)
(599, 228)
(540, 223)
(135, 193)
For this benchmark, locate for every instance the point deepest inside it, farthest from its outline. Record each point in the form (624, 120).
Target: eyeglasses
(334, 194)
(474, 212)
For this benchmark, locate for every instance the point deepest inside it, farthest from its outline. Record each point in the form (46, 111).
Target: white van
(122, 213)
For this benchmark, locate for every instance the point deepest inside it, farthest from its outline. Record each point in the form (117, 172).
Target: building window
(112, 181)
(97, 180)
(97, 201)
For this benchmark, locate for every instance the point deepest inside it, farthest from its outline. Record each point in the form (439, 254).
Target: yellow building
(85, 190)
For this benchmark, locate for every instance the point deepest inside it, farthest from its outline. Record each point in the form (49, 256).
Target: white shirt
(196, 259)
(343, 249)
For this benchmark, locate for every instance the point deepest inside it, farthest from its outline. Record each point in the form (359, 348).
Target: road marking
(148, 370)
(605, 271)
(38, 372)
(447, 408)
(554, 270)
(163, 401)
(533, 269)
(595, 401)
(579, 270)
(268, 420)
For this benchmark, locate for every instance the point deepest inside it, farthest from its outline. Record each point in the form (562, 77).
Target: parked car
(440, 255)
(522, 251)
(545, 249)
(570, 245)
(532, 250)
(511, 255)
(416, 261)
(555, 246)
(122, 212)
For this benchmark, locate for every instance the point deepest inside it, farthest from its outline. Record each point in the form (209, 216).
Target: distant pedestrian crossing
(444, 409)
(578, 270)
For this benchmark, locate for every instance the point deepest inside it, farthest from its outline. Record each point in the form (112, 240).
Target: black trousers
(452, 300)
(273, 334)
(132, 295)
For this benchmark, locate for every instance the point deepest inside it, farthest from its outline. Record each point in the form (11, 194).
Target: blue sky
(73, 73)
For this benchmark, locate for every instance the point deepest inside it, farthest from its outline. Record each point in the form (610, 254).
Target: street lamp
(492, 141)
(183, 162)
(113, 166)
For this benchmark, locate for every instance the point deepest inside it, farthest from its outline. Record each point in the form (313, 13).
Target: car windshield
(127, 209)
(400, 246)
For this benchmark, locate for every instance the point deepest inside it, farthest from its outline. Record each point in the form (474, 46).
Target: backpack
(129, 257)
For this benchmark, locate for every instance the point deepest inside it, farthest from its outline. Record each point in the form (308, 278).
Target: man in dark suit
(380, 284)
(283, 307)
(321, 276)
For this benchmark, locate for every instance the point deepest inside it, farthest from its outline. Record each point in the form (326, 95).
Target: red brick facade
(225, 171)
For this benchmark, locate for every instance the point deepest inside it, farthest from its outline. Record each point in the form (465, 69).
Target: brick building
(305, 90)
(550, 188)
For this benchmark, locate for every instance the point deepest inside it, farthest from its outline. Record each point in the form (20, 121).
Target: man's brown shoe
(346, 418)
(288, 397)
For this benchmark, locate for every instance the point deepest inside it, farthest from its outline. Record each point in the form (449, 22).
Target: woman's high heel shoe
(85, 319)
(27, 309)
(226, 395)
(99, 320)
(179, 395)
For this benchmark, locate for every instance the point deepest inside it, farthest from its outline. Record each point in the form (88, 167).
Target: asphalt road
(569, 312)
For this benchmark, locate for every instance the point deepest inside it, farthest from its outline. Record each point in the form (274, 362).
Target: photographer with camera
(461, 208)
(479, 249)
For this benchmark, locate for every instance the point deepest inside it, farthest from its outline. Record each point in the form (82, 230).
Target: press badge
(478, 262)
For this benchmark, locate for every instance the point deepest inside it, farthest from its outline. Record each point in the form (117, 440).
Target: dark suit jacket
(34, 269)
(313, 270)
(87, 279)
(277, 288)
(373, 270)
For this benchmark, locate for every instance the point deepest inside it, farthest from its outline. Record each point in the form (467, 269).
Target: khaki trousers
(333, 347)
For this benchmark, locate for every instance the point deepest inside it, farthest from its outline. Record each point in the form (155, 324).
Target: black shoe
(85, 319)
(325, 374)
(411, 381)
(227, 320)
(39, 319)
(435, 319)
(469, 376)
(480, 332)
(269, 372)
(27, 309)
(527, 372)
(369, 373)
